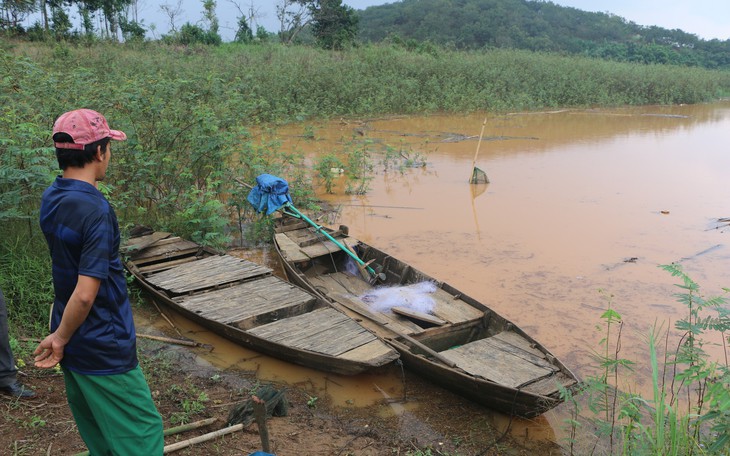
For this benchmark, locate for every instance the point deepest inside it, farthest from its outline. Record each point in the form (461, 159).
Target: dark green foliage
(190, 34)
(244, 33)
(328, 170)
(538, 26)
(132, 30)
(334, 25)
(274, 399)
(25, 279)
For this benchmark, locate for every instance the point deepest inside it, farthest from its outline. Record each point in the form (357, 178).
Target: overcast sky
(707, 19)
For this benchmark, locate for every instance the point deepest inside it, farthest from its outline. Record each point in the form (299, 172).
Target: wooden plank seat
(206, 273)
(247, 304)
(501, 358)
(324, 330)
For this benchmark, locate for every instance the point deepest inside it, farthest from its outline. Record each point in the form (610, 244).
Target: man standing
(92, 330)
(9, 384)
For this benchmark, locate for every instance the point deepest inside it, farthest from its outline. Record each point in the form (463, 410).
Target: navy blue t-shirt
(82, 232)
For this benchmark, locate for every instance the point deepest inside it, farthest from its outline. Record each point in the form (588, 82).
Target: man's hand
(50, 351)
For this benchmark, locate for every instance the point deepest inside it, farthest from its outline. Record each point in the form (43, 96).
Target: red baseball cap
(85, 126)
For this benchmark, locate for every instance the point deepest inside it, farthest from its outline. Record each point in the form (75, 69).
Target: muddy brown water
(581, 208)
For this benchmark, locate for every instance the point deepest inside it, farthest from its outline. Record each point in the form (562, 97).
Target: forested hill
(538, 26)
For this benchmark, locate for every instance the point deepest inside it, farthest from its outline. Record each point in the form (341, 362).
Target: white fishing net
(415, 297)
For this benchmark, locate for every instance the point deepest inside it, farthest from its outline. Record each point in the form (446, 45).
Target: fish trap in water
(478, 177)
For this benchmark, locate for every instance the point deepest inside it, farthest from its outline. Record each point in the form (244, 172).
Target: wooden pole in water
(476, 154)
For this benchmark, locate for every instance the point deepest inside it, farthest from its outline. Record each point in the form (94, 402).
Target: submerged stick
(188, 343)
(707, 250)
(166, 319)
(384, 207)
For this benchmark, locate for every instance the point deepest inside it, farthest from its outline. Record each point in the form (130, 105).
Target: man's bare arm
(50, 351)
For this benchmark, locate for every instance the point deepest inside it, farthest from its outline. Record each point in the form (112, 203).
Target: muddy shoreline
(187, 388)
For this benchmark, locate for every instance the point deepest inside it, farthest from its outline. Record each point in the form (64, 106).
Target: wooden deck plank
(517, 340)
(325, 247)
(290, 249)
(341, 284)
(324, 331)
(485, 359)
(311, 243)
(397, 325)
(165, 248)
(246, 300)
(453, 310)
(371, 350)
(421, 316)
(538, 359)
(549, 385)
(156, 267)
(206, 272)
(142, 242)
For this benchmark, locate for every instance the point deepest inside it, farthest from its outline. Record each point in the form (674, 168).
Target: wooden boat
(461, 344)
(246, 303)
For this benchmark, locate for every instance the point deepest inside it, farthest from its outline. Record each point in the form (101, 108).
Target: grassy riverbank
(188, 110)
(254, 83)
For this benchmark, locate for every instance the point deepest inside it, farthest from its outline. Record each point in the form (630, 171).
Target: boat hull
(475, 352)
(283, 321)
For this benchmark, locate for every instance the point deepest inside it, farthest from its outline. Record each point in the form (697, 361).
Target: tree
(334, 25)
(244, 33)
(172, 12)
(209, 15)
(293, 16)
(132, 30)
(61, 24)
(13, 12)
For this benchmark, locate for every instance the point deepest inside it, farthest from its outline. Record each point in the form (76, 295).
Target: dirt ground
(188, 390)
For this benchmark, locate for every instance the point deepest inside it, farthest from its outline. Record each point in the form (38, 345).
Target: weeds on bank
(689, 410)
(163, 377)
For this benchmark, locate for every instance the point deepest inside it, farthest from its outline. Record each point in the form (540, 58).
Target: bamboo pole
(189, 426)
(479, 143)
(176, 430)
(165, 317)
(202, 438)
(477, 175)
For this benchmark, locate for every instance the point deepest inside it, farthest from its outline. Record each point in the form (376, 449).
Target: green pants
(115, 414)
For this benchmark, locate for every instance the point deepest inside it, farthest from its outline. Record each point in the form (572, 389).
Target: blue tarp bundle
(269, 194)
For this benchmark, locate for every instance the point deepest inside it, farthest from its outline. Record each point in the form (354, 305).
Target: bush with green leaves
(689, 410)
